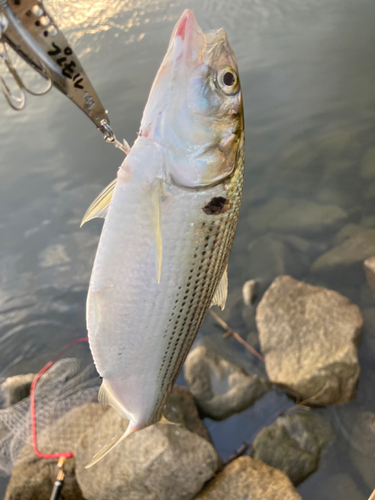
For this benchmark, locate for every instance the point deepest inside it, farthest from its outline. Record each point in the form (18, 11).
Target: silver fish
(171, 216)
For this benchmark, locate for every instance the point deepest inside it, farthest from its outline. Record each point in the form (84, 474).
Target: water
(308, 78)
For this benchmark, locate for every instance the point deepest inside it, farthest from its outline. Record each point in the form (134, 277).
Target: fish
(170, 219)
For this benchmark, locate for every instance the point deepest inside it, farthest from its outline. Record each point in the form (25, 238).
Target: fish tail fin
(108, 447)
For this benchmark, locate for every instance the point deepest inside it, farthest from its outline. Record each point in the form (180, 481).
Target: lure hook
(18, 103)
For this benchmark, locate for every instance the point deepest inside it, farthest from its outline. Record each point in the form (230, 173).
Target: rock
(309, 338)
(161, 461)
(362, 442)
(308, 215)
(368, 164)
(268, 258)
(220, 387)
(356, 247)
(247, 478)
(250, 292)
(339, 486)
(181, 408)
(16, 388)
(368, 221)
(293, 444)
(282, 214)
(369, 193)
(369, 266)
(35, 479)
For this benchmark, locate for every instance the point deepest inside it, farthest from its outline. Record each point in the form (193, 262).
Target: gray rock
(369, 266)
(309, 338)
(247, 478)
(340, 487)
(35, 479)
(161, 461)
(16, 388)
(368, 221)
(304, 215)
(283, 214)
(368, 164)
(362, 440)
(65, 433)
(293, 444)
(220, 387)
(181, 408)
(355, 245)
(268, 258)
(250, 291)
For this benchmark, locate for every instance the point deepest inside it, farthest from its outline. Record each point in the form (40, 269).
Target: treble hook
(18, 103)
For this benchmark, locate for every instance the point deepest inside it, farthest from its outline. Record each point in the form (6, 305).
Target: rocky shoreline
(309, 337)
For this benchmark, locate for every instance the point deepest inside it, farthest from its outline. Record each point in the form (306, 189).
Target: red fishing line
(67, 454)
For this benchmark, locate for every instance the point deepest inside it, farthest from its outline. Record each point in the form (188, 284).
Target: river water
(308, 78)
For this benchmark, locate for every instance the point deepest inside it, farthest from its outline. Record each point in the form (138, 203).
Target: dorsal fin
(99, 207)
(221, 294)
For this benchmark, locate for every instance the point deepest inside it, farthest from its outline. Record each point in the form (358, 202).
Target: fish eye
(228, 80)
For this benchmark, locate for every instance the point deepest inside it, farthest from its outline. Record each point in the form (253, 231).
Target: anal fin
(108, 447)
(221, 293)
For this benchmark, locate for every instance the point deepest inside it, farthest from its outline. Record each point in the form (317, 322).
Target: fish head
(194, 111)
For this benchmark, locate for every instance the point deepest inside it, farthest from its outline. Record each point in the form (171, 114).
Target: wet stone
(362, 440)
(340, 487)
(181, 408)
(221, 388)
(368, 164)
(282, 214)
(268, 257)
(247, 478)
(353, 245)
(250, 292)
(309, 337)
(16, 388)
(161, 461)
(293, 444)
(35, 479)
(369, 266)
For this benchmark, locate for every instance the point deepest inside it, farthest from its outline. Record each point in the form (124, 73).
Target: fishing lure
(27, 27)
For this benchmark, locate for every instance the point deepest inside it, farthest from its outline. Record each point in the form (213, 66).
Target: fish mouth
(187, 40)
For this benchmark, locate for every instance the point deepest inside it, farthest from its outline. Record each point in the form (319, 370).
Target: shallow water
(308, 78)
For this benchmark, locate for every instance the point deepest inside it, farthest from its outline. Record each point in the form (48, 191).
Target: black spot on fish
(215, 206)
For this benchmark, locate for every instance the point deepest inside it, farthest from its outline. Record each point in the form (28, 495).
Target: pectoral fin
(99, 207)
(156, 194)
(221, 294)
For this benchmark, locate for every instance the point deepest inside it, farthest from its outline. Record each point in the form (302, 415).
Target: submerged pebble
(221, 388)
(293, 444)
(309, 337)
(369, 266)
(353, 244)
